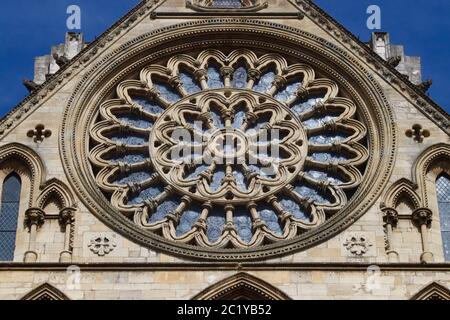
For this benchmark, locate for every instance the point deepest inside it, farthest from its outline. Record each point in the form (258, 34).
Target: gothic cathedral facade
(220, 149)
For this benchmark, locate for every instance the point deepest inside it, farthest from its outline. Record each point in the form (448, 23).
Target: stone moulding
(273, 37)
(207, 6)
(241, 285)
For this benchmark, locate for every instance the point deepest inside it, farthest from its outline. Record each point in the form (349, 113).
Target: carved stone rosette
(207, 192)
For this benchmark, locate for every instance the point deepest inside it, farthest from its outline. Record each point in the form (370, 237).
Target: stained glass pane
(148, 106)
(243, 223)
(227, 3)
(214, 78)
(288, 92)
(443, 196)
(189, 83)
(215, 223)
(8, 216)
(239, 78)
(188, 219)
(269, 216)
(266, 82)
(292, 207)
(167, 92)
(168, 206)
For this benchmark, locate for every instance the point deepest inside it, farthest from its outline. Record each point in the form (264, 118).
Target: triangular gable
(162, 9)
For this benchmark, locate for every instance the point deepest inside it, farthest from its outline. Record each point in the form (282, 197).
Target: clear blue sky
(31, 27)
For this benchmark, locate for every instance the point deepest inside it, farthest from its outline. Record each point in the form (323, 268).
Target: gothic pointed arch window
(443, 196)
(9, 211)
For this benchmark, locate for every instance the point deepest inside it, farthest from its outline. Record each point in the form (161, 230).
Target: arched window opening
(443, 196)
(9, 212)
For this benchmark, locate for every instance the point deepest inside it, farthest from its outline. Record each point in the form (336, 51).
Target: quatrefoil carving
(39, 133)
(417, 133)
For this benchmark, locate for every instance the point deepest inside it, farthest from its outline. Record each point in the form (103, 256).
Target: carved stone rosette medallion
(228, 189)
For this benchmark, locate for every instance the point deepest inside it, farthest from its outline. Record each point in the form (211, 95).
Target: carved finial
(394, 61)
(425, 86)
(60, 60)
(30, 85)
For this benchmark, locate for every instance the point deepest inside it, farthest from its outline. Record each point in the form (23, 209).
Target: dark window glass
(443, 196)
(8, 216)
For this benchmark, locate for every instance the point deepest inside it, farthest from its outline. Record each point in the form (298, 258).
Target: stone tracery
(233, 204)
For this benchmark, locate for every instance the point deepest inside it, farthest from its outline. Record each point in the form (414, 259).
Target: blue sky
(31, 27)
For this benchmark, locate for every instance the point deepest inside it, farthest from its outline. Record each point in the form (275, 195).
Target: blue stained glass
(443, 197)
(323, 176)
(303, 106)
(217, 120)
(265, 82)
(289, 92)
(294, 208)
(135, 121)
(269, 216)
(148, 106)
(243, 224)
(239, 78)
(167, 92)
(317, 122)
(189, 83)
(227, 3)
(134, 177)
(216, 182)
(194, 174)
(188, 219)
(328, 138)
(9, 212)
(215, 223)
(214, 78)
(129, 139)
(311, 193)
(168, 206)
(129, 158)
(240, 180)
(146, 194)
(239, 118)
(328, 157)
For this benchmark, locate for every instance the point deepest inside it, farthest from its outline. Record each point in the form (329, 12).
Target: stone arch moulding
(433, 291)
(402, 188)
(436, 155)
(58, 189)
(106, 74)
(31, 160)
(45, 292)
(241, 286)
(207, 6)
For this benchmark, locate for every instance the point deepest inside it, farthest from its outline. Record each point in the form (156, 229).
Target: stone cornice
(220, 266)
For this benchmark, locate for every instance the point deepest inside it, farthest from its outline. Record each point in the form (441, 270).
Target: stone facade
(392, 249)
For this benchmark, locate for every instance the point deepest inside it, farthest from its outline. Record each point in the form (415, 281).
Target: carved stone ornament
(218, 190)
(357, 245)
(102, 245)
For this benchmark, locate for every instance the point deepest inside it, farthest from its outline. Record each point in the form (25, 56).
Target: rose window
(228, 151)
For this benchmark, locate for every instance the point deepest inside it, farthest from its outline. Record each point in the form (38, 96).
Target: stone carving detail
(39, 133)
(232, 204)
(417, 133)
(357, 245)
(210, 5)
(102, 245)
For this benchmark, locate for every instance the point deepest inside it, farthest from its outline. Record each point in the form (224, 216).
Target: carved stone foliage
(357, 245)
(417, 133)
(102, 244)
(212, 197)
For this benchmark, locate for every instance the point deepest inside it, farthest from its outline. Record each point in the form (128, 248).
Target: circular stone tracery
(227, 147)
(262, 198)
